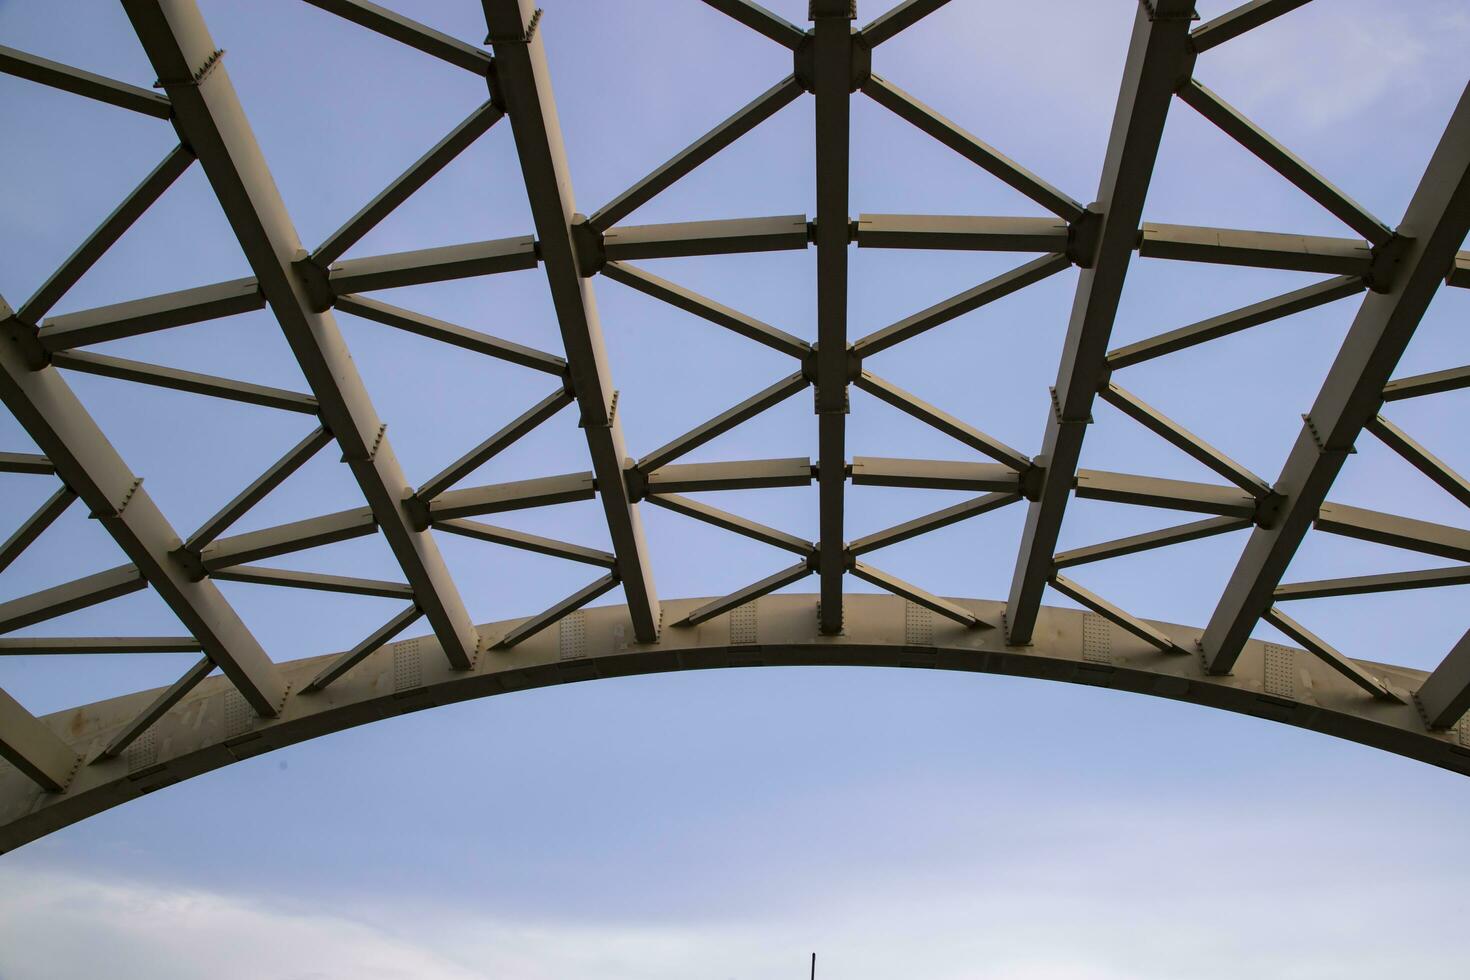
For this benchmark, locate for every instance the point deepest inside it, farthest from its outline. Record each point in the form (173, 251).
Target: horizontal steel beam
(1428, 578)
(497, 498)
(191, 381)
(1149, 540)
(1257, 249)
(933, 474)
(962, 232)
(528, 542)
(1296, 301)
(141, 316)
(84, 83)
(285, 539)
(33, 463)
(1394, 531)
(42, 646)
(426, 265)
(1452, 379)
(314, 581)
(747, 474)
(70, 596)
(728, 236)
(393, 25)
(1151, 491)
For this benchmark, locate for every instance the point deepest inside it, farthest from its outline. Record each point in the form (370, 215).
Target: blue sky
(725, 824)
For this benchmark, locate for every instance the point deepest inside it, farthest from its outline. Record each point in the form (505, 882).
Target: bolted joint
(587, 246)
(636, 481)
(1269, 509)
(23, 338)
(315, 280)
(1033, 479)
(190, 563)
(862, 62)
(416, 509)
(492, 85)
(834, 403)
(804, 63)
(1166, 10)
(1084, 236)
(836, 9)
(860, 54)
(1383, 269)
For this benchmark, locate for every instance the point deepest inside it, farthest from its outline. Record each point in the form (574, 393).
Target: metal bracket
(1387, 259)
(372, 449)
(522, 38)
(315, 280)
(587, 246)
(1084, 236)
(200, 73)
(1321, 444)
(122, 505)
(1056, 411)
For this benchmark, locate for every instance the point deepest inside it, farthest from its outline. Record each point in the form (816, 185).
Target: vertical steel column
(210, 120)
(1159, 58)
(1434, 226)
(832, 86)
(523, 82)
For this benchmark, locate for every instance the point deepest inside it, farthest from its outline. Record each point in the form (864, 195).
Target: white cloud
(1169, 903)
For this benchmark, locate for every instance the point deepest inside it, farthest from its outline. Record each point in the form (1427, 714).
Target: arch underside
(213, 726)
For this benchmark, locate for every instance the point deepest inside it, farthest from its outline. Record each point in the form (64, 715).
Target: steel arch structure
(69, 765)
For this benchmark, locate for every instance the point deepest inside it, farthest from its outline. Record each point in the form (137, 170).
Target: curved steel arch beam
(209, 727)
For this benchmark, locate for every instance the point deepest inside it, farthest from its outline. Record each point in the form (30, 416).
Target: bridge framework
(66, 766)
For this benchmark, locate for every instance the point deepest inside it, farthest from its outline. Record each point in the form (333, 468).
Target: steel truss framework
(69, 765)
